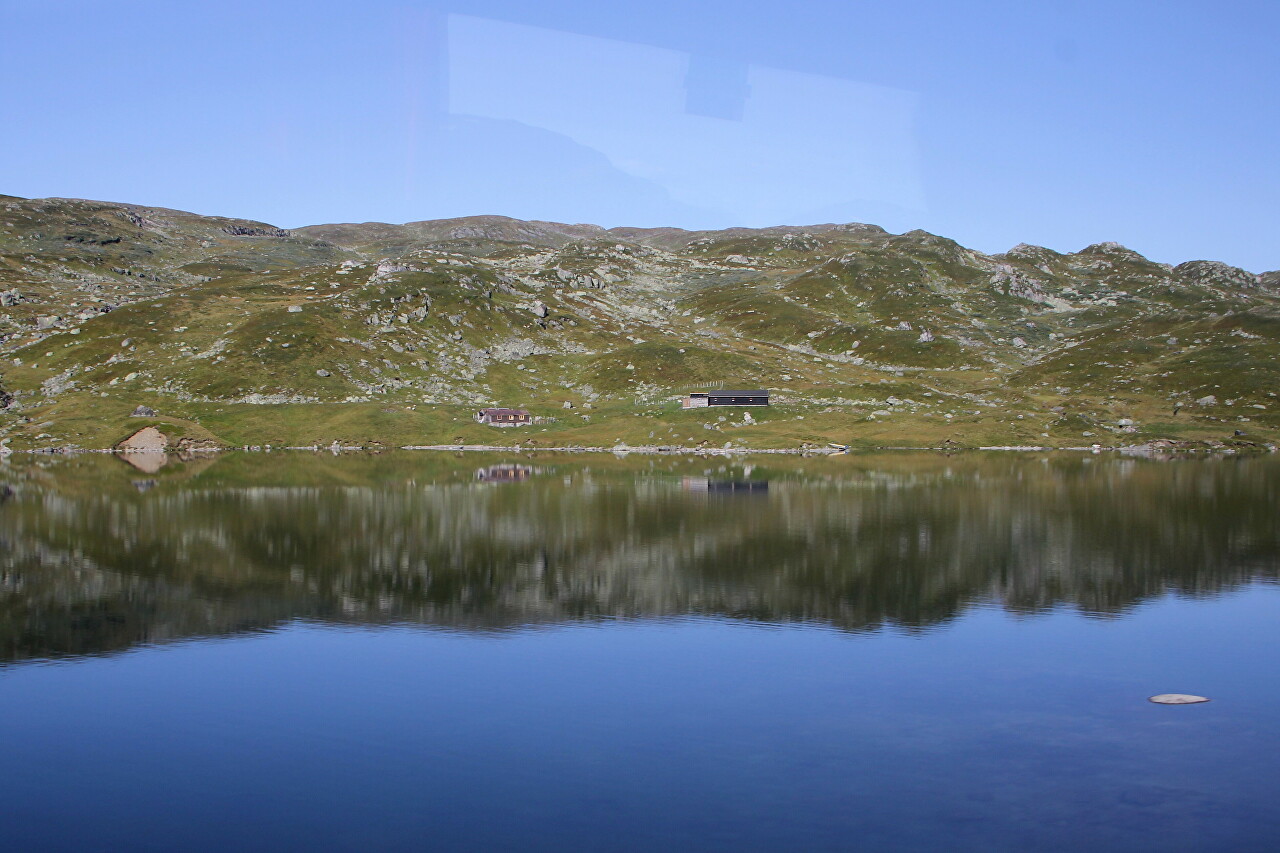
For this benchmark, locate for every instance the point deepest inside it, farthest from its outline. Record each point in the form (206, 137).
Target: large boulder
(146, 440)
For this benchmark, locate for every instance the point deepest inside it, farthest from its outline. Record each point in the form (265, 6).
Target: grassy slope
(191, 316)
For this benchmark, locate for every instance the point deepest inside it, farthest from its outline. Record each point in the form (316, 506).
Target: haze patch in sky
(749, 144)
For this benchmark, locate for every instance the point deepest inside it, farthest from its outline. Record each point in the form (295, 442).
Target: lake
(547, 652)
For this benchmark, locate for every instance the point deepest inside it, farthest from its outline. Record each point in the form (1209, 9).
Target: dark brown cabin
(504, 417)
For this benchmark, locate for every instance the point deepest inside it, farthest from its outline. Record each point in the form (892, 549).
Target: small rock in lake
(1178, 699)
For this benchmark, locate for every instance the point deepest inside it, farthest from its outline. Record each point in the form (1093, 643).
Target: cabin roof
(504, 411)
(719, 393)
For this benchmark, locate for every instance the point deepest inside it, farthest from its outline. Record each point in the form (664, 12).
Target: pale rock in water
(1178, 699)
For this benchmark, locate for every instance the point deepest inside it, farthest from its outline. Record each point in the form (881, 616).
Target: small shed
(698, 399)
(504, 417)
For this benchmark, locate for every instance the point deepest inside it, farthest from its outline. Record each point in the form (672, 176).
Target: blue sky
(1151, 123)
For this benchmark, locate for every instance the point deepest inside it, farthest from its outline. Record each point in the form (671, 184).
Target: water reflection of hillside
(93, 570)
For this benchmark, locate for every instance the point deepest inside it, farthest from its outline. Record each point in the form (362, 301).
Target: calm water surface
(477, 653)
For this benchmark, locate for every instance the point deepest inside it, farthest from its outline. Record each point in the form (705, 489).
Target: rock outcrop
(146, 440)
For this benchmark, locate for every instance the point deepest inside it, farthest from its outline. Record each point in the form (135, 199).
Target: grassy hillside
(240, 333)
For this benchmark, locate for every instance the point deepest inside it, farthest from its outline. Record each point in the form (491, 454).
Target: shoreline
(1153, 448)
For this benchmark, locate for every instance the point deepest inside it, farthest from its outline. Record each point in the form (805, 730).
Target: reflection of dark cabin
(504, 417)
(698, 399)
(725, 487)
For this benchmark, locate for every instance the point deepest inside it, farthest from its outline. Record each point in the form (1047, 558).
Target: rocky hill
(240, 332)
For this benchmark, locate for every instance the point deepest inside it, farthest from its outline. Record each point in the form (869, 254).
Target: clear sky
(1154, 124)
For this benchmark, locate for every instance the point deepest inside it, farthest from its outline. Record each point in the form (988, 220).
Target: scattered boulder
(136, 218)
(1207, 400)
(323, 373)
(146, 440)
(1019, 343)
(539, 309)
(197, 445)
(295, 309)
(143, 412)
(926, 336)
(255, 231)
